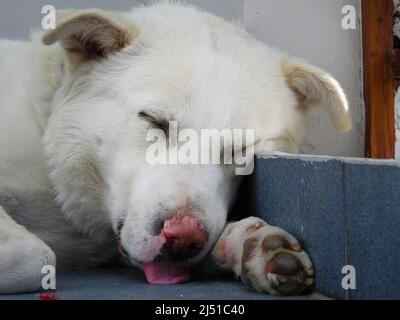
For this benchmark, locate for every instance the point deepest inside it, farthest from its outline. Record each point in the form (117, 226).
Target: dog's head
(127, 74)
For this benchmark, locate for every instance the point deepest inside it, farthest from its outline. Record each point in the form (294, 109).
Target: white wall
(17, 17)
(310, 29)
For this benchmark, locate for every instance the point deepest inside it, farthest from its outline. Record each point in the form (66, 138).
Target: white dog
(76, 104)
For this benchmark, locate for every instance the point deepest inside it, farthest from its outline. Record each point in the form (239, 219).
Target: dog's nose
(185, 237)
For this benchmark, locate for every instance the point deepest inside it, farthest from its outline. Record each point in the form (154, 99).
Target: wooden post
(379, 78)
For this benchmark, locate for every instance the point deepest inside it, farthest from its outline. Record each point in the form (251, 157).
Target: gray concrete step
(344, 211)
(130, 284)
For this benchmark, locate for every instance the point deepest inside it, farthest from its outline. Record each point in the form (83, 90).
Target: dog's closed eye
(155, 121)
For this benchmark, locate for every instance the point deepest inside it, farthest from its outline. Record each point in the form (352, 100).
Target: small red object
(47, 296)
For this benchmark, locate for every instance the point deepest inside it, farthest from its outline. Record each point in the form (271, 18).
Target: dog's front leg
(22, 257)
(267, 258)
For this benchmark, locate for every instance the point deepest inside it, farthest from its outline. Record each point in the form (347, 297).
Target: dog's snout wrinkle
(157, 227)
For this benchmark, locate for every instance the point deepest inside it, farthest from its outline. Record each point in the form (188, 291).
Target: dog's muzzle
(182, 238)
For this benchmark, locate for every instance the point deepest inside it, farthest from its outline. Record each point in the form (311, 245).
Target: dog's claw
(310, 271)
(296, 248)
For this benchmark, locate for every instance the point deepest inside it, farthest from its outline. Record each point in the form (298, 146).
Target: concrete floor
(130, 284)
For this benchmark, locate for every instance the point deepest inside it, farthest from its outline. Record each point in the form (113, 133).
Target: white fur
(23, 256)
(69, 127)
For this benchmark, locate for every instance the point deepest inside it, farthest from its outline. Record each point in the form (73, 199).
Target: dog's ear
(314, 86)
(88, 35)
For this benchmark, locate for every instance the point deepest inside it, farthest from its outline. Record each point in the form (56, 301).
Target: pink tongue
(166, 273)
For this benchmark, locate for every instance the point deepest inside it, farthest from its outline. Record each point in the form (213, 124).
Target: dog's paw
(270, 263)
(267, 258)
